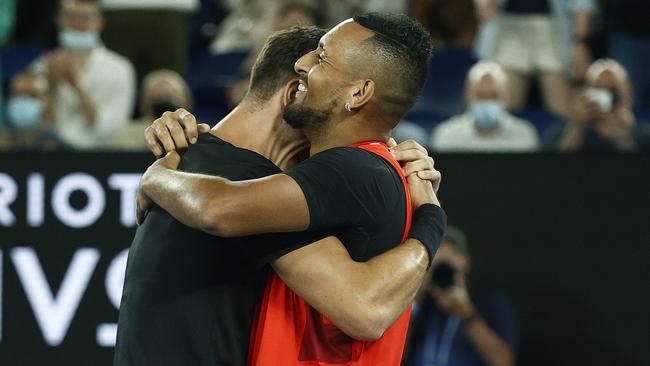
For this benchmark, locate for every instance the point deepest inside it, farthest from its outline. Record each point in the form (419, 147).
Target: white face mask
(78, 41)
(24, 112)
(487, 113)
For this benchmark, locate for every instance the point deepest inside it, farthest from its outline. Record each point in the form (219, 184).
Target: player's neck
(262, 129)
(345, 133)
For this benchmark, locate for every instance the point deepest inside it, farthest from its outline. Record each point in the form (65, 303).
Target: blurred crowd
(507, 75)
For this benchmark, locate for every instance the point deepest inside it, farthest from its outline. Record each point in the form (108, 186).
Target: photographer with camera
(601, 118)
(453, 325)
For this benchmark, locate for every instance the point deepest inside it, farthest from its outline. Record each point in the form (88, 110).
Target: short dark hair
(274, 66)
(404, 48)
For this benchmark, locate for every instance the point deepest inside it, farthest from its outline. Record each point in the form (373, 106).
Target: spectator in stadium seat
(601, 118)
(454, 324)
(28, 117)
(250, 21)
(161, 91)
(486, 126)
(544, 38)
(90, 88)
(153, 34)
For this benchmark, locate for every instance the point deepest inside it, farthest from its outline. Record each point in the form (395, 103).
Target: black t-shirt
(357, 193)
(188, 296)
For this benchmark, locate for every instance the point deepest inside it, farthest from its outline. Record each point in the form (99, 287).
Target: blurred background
(536, 111)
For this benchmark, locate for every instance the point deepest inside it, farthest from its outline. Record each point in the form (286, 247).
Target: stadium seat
(13, 59)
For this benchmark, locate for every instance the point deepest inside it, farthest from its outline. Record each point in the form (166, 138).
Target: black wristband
(428, 226)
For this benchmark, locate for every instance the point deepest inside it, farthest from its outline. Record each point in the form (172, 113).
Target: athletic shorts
(527, 44)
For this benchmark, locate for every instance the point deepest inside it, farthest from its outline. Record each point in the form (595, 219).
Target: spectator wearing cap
(455, 325)
(486, 126)
(90, 88)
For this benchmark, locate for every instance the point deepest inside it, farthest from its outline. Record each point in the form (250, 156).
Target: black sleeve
(269, 247)
(346, 187)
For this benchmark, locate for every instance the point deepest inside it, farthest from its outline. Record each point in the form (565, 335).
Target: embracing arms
(362, 299)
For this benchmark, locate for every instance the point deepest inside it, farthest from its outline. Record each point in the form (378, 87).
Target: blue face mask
(24, 112)
(488, 113)
(78, 41)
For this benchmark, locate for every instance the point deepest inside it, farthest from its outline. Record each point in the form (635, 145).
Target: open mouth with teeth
(302, 90)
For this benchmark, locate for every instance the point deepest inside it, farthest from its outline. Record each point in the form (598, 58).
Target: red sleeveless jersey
(289, 332)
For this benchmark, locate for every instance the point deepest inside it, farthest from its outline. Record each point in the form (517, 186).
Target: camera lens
(443, 275)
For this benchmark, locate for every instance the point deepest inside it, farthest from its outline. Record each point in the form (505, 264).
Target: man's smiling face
(325, 73)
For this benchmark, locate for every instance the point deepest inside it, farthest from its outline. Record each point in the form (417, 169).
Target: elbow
(209, 223)
(371, 326)
(214, 222)
(218, 218)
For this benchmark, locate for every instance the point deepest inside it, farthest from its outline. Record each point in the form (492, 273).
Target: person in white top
(91, 89)
(486, 126)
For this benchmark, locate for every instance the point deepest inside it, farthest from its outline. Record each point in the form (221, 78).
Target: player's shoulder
(357, 163)
(353, 169)
(213, 155)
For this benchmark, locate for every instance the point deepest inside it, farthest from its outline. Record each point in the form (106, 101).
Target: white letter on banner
(107, 333)
(35, 199)
(54, 313)
(127, 184)
(8, 193)
(61, 200)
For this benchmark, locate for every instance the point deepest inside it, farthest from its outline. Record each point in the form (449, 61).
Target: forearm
(49, 109)
(572, 138)
(361, 299)
(488, 344)
(185, 196)
(392, 280)
(87, 106)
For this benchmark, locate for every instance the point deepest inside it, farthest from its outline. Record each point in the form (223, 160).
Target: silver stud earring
(348, 107)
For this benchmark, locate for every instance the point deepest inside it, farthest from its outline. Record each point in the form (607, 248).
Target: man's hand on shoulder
(173, 131)
(419, 169)
(143, 202)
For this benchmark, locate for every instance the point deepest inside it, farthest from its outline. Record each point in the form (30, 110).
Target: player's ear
(289, 92)
(361, 93)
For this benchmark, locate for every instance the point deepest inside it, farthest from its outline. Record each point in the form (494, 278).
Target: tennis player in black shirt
(188, 297)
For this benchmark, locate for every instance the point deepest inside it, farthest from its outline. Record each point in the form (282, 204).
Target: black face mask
(163, 106)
